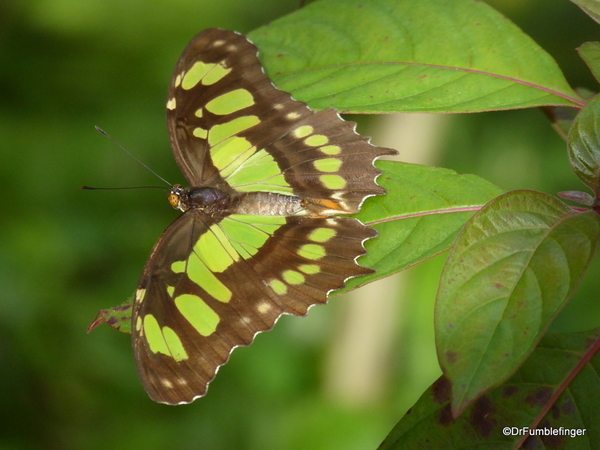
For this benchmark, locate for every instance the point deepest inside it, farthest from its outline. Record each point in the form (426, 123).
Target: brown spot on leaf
(509, 391)
(551, 441)
(568, 407)
(483, 416)
(539, 397)
(451, 357)
(445, 416)
(532, 443)
(441, 390)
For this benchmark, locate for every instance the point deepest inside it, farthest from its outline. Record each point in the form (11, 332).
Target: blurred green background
(67, 65)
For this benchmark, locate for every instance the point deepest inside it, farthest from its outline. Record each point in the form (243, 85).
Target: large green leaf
(419, 217)
(512, 269)
(557, 387)
(584, 145)
(374, 56)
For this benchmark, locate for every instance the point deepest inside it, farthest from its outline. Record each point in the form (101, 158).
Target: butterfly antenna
(90, 188)
(101, 131)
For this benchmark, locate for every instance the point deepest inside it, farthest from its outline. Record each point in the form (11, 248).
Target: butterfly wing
(193, 308)
(231, 128)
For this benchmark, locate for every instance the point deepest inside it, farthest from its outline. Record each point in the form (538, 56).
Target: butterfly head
(175, 195)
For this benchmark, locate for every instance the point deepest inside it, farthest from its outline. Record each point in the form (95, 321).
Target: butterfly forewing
(228, 123)
(221, 274)
(218, 92)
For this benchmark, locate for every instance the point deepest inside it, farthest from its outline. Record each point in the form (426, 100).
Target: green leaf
(118, 317)
(557, 386)
(582, 198)
(590, 7)
(512, 269)
(590, 53)
(374, 56)
(584, 145)
(419, 217)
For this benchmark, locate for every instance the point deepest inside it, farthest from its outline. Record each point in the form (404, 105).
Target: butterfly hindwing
(199, 309)
(257, 238)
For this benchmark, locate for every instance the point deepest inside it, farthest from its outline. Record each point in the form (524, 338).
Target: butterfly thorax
(212, 200)
(204, 198)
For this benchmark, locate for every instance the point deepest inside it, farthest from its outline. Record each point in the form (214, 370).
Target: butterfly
(260, 234)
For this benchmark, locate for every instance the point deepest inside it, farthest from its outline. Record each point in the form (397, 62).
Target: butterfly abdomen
(212, 200)
(268, 204)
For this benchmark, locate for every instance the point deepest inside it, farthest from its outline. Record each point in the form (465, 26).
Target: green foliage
(419, 217)
(118, 317)
(544, 382)
(590, 53)
(390, 56)
(512, 269)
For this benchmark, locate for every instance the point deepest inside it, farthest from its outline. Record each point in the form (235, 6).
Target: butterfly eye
(174, 200)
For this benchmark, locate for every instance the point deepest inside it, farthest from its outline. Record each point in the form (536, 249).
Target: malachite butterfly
(259, 235)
